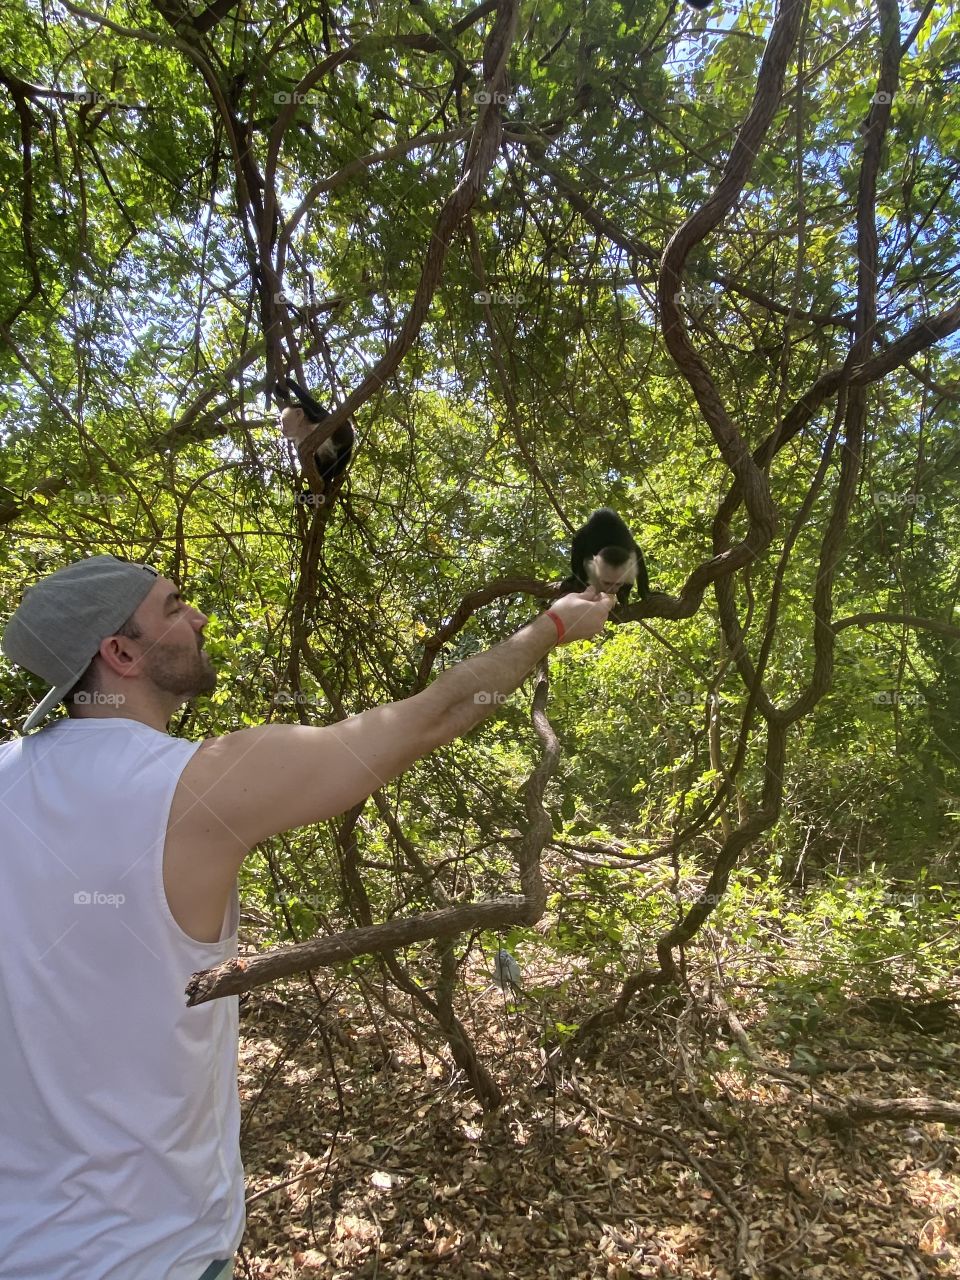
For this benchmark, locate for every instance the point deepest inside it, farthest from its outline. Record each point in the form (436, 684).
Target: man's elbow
(449, 721)
(436, 723)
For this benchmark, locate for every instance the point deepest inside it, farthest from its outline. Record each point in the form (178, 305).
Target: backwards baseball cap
(59, 624)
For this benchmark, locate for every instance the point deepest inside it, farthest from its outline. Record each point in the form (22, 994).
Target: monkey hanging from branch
(300, 414)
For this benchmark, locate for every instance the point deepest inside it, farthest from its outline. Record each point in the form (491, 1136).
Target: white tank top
(119, 1114)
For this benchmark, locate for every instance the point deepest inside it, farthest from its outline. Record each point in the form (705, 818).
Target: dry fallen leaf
(933, 1235)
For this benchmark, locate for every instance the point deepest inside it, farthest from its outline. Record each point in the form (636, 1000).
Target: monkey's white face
(610, 578)
(294, 424)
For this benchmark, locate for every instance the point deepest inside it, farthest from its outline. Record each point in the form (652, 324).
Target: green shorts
(222, 1269)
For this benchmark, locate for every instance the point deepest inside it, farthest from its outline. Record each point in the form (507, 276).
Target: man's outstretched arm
(241, 788)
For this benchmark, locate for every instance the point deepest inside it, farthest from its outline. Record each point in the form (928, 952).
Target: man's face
(171, 642)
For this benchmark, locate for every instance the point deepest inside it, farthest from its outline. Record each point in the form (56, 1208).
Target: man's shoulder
(219, 748)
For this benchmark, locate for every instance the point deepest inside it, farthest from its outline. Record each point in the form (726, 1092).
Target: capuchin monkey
(333, 456)
(698, 4)
(604, 555)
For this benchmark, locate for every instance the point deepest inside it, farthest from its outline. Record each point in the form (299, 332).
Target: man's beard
(181, 671)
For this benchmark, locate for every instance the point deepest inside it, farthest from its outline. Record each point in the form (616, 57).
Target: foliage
(132, 417)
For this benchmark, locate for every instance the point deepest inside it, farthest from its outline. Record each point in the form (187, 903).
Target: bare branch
(897, 620)
(749, 139)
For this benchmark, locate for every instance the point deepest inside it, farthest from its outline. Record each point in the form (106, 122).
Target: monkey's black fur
(605, 535)
(333, 456)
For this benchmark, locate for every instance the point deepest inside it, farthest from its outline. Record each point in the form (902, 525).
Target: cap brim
(43, 709)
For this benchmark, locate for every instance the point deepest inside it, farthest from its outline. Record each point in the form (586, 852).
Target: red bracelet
(561, 630)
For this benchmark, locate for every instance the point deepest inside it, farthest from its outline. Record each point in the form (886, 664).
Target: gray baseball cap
(59, 624)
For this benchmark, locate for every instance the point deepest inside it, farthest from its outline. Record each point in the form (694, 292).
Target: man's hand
(583, 616)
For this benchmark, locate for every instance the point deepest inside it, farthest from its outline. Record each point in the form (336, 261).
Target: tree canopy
(702, 268)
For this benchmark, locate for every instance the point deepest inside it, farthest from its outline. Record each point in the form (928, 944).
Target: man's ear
(117, 655)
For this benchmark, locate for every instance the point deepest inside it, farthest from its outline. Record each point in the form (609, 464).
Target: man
(119, 852)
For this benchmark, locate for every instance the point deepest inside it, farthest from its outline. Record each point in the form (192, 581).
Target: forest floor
(660, 1148)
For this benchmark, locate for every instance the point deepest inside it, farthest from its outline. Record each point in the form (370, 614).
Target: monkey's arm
(293, 391)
